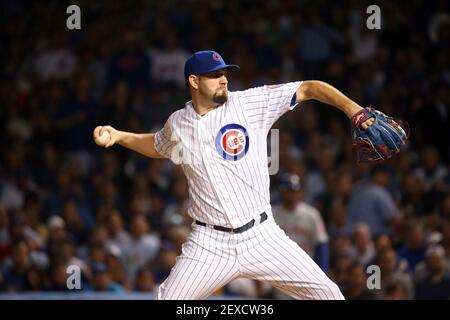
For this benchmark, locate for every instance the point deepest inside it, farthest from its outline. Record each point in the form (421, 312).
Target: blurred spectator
(74, 121)
(5, 238)
(342, 257)
(77, 228)
(413, 250)
(436, 284)
(382, 243)
(14, 276)
(177, 235)
(356, 287)
(436, 112)
(338, 225)
(94, 249)
(113, 261)
(58, 276)
(395, 291)
(144, 246)
(363, 244)
(56, 233)
(445, 242)
(413, 195)
(56, 61)
(243, 287)
(21, 230)
(129, 63)
(102, 279)
(11, 197)
(364, 41)
(36, 280)
(33, 214)
(322, 41)
(431, 170)
(144, 281)
(117, 235)
(392, 271)
(372, 204)
(168, 62)
(65, 252)
(164, 262)
(176, 210)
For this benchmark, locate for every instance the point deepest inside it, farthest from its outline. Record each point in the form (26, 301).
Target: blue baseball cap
(206, 61)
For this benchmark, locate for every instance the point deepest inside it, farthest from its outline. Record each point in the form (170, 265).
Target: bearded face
(221, 96)
(214, 86)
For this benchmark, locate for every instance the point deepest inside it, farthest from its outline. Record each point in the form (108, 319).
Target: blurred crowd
(122, 217)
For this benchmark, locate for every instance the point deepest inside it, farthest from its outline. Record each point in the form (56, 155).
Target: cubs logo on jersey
(232, 142)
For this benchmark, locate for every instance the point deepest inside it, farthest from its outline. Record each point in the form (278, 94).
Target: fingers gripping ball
(381, 140)
(103, 139)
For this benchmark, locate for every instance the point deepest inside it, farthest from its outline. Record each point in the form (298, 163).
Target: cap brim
(227, 66)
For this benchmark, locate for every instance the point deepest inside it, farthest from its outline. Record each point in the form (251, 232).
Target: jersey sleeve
(265, 105)
(165, 140)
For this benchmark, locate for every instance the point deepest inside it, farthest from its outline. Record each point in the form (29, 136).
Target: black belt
(245, 227)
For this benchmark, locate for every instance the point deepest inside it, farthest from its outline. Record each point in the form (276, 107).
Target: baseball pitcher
(219, 139)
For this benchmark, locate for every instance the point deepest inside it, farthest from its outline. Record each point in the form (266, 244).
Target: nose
(223, 79)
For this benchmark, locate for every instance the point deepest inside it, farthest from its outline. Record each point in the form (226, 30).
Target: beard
(221, 97)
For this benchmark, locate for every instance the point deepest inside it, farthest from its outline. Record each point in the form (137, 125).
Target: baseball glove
(381, 140)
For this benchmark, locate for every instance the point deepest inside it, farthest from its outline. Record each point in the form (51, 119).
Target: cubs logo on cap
(232, 142)
(216, 56)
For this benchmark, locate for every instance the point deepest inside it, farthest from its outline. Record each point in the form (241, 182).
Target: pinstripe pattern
(212, 258)
(228, 192)
(281, 262)
(224, 192)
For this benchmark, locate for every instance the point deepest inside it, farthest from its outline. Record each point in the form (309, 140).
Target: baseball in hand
(103, 139)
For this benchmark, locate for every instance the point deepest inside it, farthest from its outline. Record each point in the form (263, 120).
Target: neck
(290, 205)
(202, 106)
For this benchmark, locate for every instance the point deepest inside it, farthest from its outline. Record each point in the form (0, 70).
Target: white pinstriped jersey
(224, 153)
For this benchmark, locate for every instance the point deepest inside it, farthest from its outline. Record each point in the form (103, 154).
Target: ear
(193, 81)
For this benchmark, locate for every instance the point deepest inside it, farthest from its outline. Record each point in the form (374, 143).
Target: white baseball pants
(210, 259)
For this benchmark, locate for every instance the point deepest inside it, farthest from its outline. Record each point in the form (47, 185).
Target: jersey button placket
(209, 162)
